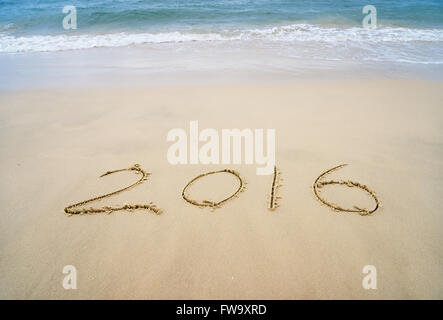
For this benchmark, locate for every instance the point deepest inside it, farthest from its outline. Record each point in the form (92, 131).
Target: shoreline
(147, 67)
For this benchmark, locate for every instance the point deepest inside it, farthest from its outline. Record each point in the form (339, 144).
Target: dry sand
(55, 143)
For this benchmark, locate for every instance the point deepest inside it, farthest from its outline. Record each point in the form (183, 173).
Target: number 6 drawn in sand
(70, 210)
(318, 184)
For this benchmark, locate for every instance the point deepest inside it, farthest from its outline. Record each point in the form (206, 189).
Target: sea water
(250, 36)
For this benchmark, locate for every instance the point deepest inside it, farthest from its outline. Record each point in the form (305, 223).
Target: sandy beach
(55, 143)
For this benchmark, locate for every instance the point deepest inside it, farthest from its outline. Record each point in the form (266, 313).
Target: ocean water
(282, 35)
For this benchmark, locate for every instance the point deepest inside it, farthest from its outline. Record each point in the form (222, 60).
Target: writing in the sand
(319, 184)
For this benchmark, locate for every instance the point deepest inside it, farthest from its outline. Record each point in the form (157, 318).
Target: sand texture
(55, 144)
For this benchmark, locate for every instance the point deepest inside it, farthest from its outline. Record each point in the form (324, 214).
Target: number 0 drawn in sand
(214, 204)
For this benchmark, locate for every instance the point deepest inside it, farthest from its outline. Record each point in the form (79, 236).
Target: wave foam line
(289, 33)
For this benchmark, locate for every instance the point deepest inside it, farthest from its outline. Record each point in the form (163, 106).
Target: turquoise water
(282, 36)
(21, 17)
(21, 22)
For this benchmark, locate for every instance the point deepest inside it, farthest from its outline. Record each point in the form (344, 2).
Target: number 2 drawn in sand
(72, 209)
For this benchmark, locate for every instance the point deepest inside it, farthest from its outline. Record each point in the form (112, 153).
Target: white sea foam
(290, 33)
(86, 41)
